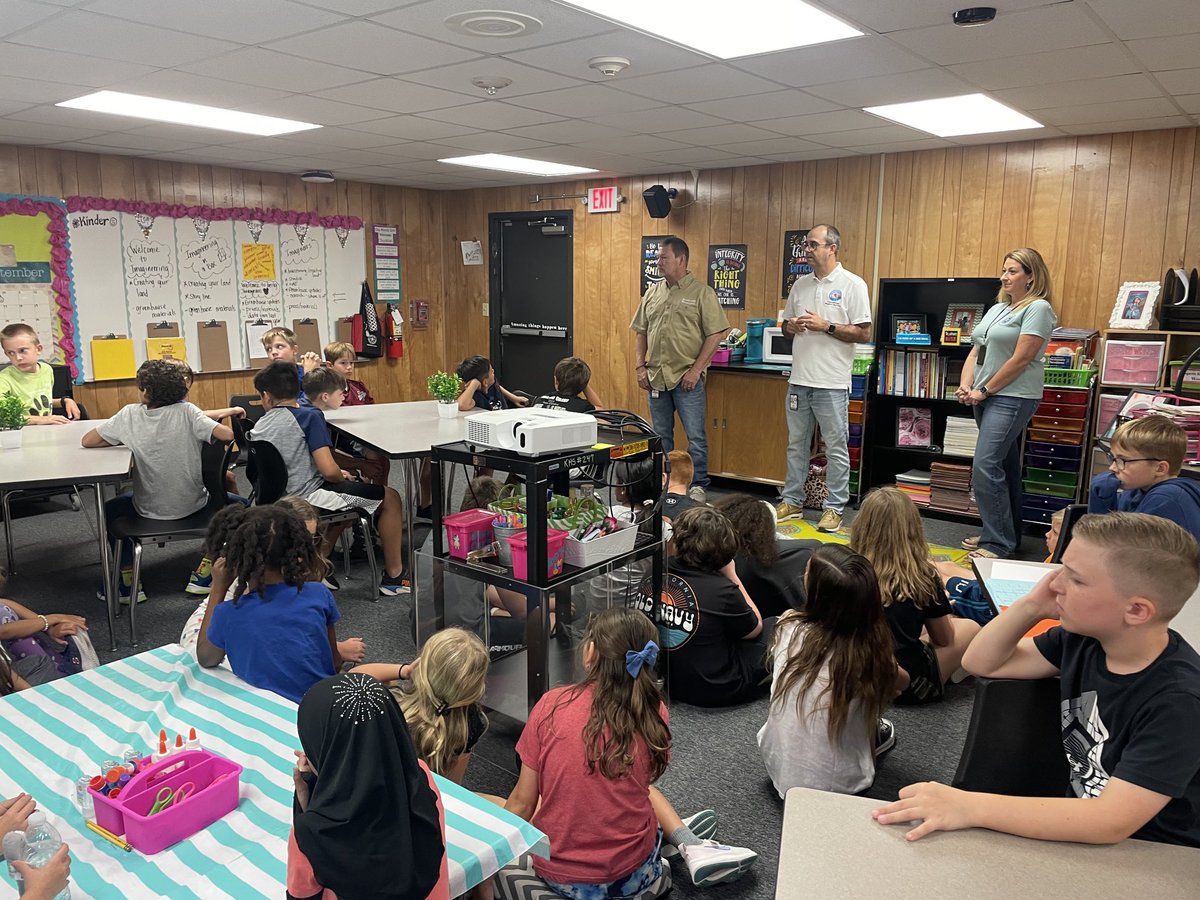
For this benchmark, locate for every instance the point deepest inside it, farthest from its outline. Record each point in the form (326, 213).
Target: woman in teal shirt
(1002, 382)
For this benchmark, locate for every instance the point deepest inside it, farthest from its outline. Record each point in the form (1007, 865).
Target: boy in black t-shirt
(572, 387)
(1130, 693)
(676, 500)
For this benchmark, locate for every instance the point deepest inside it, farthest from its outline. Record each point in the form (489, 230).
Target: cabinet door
(753, 429)
(714, 400)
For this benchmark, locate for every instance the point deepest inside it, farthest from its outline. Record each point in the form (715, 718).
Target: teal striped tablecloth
(52, 734)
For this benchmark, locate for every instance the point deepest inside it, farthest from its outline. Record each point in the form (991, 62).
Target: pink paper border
(213, 213)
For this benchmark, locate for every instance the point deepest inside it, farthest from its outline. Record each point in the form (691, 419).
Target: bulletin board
(35, 274)
(201, 283)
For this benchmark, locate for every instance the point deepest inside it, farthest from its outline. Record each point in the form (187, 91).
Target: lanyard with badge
(979, 339)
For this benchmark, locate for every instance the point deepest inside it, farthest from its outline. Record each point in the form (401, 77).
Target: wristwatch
(983, 390)
(830, 328)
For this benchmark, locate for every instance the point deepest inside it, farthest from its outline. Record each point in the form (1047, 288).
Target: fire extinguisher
(395, 333)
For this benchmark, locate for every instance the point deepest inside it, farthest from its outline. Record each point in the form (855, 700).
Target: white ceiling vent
(493, 23)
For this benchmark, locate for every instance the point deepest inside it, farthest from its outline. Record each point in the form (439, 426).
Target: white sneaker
(702, 824)
(714, 863)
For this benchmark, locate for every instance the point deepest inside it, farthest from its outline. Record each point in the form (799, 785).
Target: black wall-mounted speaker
(658, 200)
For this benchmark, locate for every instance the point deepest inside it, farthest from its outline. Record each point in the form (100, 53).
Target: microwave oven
(776, 346)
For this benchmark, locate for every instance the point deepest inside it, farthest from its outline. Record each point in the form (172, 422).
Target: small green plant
(13, 413)
(443, 386)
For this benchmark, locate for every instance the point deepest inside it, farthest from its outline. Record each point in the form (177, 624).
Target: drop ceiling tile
(491, 114)
(423, 151)
(656, 119)
(647, 55)
(1165, 53)
(1090, 90)
(1066, 64)
(838, 120)
(771, 146)
(284, 145)
(696, 156)
(1151, 124)
(738, 161)
(569, 131)
(492, 142)
(411, 128)
(316, 110)
(67, 68)
(395, 95)
(220, 156)
(188, 87)
(595, 99)
(897, 15)
(1007, 137)
(633, 143)
(97, 123)
(360, 7)
(1097, 113)
(713, 81)
(1030, 31)
(372, 47)
(14, 131)
(142, 142)
(1144, 20)
(805, 155)
(1180, 81)
(881, 89)
(880, 134)
(230, 20)
(762, 106)
(718, 134)
(1190, 103)
(904, 146)
(18, 14)
(367, 173)
(859, 57)
(110, 38)
(12, 106)
(353, 140)
(254, 65)
(31, 90)
(525, 79)
(559, 23)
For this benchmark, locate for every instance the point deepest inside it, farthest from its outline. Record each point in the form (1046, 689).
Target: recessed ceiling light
(951, 116)
(179, 113)
(520, 165)
(727, 31)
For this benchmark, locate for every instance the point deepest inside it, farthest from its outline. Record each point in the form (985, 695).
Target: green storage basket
(1069, 377)
(861, 366)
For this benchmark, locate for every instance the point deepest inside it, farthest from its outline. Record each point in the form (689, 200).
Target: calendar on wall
(34, 305)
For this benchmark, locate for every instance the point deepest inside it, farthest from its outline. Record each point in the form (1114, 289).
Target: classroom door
(531, 259)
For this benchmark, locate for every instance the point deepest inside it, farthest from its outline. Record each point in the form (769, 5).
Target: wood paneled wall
(1103, 209)
(56, 173)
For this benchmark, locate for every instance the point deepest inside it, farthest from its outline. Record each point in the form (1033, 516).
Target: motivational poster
(727, 274)
(795, 259)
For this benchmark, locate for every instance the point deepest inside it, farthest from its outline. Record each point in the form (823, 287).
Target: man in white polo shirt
(827, 312)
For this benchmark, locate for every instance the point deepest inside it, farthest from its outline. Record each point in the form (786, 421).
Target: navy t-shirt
(490, 399)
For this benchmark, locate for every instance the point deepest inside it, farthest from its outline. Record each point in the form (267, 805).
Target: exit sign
(604, 199)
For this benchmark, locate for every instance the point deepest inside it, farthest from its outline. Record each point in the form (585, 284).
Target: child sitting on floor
(481, 390)
(31, 379)
(771, 567)
(42, 648)
(714, 635)
(572, 388)
(590, 754)
(302, 439)
(834, 676)
(367, 821)
(1130, 689)
(164, 433)
(887, 531)
(441, 694)
(278, 629)
(681, 472)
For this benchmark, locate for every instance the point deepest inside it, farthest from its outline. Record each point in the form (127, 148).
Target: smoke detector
(493, 23)
(608, 66)
(491, 83)
(318, 176)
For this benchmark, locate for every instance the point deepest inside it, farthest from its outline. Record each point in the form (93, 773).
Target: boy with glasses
(1145, 458)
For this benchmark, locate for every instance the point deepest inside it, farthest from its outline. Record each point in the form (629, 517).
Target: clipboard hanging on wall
(213, 339)
(255, 351)
(345, 330)
(308, 337)
(112, 357)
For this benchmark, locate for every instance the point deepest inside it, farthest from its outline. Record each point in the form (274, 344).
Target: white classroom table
(831, 847)
(51, 456)
(401, 431)
(58, 731)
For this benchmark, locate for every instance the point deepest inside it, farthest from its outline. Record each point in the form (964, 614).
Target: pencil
(109, 836)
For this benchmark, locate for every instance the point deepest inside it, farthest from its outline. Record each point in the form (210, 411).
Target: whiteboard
(134, 271)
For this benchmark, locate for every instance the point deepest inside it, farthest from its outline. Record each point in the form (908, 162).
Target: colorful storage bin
(468, 530)
(555, 553)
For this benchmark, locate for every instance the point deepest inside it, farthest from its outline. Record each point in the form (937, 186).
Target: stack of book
(961, 435)
(915, 483)
(1186, 416)
(914, 373)
(950, 488)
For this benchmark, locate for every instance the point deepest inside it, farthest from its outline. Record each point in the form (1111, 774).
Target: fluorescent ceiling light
(727, 30)
(520, 165)
(950, 116)
(184, 113)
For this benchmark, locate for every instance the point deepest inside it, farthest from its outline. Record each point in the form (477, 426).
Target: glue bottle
(193, 742)
(161, 752)
(178, 748)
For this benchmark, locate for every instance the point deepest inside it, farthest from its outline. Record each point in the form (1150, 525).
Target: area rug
(801, 530)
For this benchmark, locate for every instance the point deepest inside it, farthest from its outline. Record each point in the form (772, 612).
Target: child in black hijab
(367, 819)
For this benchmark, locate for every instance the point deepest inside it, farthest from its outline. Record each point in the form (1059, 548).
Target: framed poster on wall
(795, 259)
(651, 244)
(727, 274)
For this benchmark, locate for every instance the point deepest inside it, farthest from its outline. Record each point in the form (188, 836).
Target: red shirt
(600, 829)
(357, 394)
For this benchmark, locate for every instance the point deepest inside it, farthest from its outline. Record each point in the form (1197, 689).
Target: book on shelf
(919, 374)
(914, 484)
(961, 436)
(950, 487)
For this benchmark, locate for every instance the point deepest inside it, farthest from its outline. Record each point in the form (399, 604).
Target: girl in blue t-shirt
(278, 627)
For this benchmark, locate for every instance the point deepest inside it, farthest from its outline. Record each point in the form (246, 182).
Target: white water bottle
(14, 849)
(42, 841)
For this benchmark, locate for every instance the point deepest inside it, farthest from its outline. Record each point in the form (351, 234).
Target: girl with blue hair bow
(590, 754)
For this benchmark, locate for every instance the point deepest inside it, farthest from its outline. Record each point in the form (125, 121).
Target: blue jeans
(691, 408)
(996, 471)
(828, 408)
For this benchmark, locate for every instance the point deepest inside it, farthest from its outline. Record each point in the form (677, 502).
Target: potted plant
(13, 416)
(445, 388)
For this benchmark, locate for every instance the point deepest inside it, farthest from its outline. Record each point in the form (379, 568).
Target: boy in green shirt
(31, 379)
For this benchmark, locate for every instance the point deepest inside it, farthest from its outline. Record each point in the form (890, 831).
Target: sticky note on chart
(166, 348)
(258, 262)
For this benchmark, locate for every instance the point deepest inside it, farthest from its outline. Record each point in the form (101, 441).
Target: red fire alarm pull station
(420, 314)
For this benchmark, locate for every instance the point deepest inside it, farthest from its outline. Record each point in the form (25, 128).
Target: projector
(531, 431)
